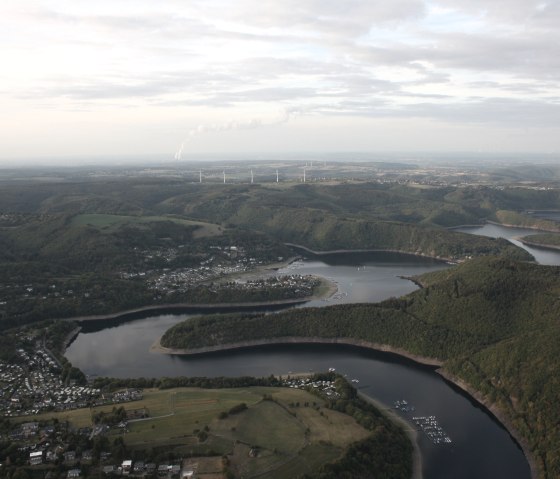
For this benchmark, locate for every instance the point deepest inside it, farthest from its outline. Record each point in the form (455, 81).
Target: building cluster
(55, 442)
(180, 280)
(217, 263)
(141, 469)
(73, 461)
(34, 291)
(46, 444)
(298, 283)
(34, 384)
(326, 389)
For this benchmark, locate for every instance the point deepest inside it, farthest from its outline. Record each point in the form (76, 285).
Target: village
(324, 388)
(55, 447)
(213, 273)
(36, 385)
(216, 263)
(36, 382)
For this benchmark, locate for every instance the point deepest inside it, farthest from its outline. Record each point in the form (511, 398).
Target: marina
(430, 427)
(404, 406)
(427, 424)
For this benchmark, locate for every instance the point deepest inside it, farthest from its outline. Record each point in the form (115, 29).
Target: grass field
(176, 413)
(108, 222)
(271, 438)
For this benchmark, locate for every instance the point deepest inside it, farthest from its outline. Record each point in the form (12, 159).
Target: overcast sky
(184, 77)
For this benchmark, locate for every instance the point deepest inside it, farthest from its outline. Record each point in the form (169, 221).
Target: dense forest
(493, 322)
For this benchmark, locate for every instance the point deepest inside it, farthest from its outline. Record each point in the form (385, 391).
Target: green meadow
(281, 433)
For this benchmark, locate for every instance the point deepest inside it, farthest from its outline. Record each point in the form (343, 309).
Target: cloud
(488, 111)
(492, 61)
(323, 16)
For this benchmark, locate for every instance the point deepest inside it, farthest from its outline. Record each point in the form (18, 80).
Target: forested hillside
(82, 247)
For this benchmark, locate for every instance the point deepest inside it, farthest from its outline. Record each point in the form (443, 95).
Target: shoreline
(410, 431)
(505, 225)
(425, 361)
(375, 250)
(177, 307)
(521, 227)
(537, 245)
(500, 416)
(490, 407)
(70, 339)
(451, 228)
(330, 289)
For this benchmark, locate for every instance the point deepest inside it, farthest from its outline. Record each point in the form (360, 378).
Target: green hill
(545, 240)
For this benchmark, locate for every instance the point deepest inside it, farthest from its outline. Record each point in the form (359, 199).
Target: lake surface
(364, 277)
(481, 447)
(542, 255)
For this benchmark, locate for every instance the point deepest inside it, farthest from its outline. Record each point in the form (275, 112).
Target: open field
(107, 221)
(283, 432)
(206, 467)
(188, 406)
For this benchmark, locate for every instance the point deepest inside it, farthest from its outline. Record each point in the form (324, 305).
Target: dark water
(543, 256)
(547, 215)
(481, 447)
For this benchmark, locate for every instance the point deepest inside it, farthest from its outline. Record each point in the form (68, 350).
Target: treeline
(377, 323)
(111, 384)
(383, 455)
(322, 230)
(493, 321)
(90, 295)
(117, 415)
(526, 221)
(543, 239)
(56, 333)
(437, 206)
(386, 453)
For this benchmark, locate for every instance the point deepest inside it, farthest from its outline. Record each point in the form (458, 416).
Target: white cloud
(495, 62)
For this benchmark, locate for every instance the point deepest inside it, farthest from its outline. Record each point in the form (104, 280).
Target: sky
(181, 78)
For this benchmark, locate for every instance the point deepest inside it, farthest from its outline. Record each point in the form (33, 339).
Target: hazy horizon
(184, 79)
(163, 160)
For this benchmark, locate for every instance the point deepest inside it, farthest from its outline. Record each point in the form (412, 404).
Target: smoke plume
(234, 125)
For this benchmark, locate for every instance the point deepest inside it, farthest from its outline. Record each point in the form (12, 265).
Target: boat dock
(427, 424)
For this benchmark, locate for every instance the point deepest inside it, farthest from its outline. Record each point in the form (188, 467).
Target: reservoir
(542, 255)
(481, 447)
